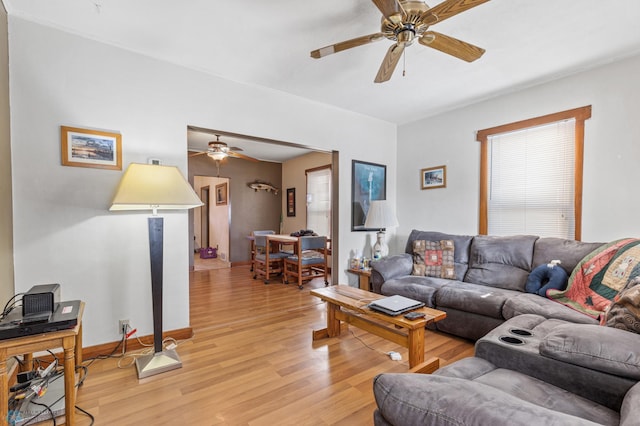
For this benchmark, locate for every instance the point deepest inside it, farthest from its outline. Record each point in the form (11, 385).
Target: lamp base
(159, 362)
(380, 248)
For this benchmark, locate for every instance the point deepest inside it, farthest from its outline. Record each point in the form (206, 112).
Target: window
(319, 200)
(531, 176)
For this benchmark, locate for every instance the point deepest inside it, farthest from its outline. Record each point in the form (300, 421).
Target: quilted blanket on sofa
(600, 276)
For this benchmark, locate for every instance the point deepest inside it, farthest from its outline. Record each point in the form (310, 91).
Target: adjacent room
(351, 212)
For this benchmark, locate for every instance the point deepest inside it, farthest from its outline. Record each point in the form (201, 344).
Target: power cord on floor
(395, 356)
(167, 343)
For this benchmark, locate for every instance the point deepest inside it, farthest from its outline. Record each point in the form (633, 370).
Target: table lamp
(380, 216)
(155, 187)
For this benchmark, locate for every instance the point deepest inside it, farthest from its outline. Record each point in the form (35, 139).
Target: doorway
(211, 223)
(257, 210)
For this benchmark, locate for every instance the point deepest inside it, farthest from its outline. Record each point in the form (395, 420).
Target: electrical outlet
(122, 324)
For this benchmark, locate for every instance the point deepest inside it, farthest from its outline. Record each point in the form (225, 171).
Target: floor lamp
(155, 187)
(380, 216)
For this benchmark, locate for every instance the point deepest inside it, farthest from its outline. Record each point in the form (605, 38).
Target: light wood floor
(252, 362)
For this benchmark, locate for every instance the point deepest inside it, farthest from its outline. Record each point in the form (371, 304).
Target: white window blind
(531, 181)
(319, 201)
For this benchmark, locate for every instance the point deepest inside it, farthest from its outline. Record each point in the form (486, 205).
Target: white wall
(6, 212)
(611, 163)
(62, 230)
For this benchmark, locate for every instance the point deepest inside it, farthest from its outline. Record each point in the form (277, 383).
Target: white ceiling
(261, 149)
(267, 43)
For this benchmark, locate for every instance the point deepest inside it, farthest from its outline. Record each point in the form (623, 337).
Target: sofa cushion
(423, 399)
(461, 243)
(414, 287)
(526, 303)
(599, 348)
(478, 299)
(568, 252)
(528, 389)
(503, 262)
(433, 259)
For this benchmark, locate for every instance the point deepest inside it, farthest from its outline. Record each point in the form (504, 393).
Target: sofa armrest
(388, 268)
(630, 411)
(600, 348)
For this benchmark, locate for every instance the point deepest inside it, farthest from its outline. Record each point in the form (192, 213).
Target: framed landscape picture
(90, 148)
(368, 183)
(433, 177)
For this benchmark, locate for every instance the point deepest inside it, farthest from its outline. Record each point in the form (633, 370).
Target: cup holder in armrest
(511, 340)
(520, 332)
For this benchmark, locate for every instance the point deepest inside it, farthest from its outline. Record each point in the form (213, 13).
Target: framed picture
(221, 194)
(291, 202)
(368, 183)
(90, 148)
(433, 177)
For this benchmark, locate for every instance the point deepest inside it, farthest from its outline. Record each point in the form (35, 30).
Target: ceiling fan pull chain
(404, 62)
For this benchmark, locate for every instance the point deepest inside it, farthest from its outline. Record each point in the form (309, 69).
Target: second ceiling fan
(403, 22)
(219, 151)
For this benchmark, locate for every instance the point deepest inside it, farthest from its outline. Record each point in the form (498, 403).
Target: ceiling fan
(219, 151)
(403, 22)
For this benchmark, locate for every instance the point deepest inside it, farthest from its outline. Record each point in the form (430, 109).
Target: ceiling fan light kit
(402, 22)
(218, 151)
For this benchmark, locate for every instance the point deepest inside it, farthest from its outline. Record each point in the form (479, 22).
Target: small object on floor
(395, 356)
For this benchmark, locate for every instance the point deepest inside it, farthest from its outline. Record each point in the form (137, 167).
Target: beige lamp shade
(154, 187)
(380, 215)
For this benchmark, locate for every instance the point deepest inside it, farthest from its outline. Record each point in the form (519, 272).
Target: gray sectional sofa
(537, 362)
(491, 273)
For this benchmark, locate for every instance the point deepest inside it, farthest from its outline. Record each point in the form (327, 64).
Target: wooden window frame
(306, 184)
(580, 115)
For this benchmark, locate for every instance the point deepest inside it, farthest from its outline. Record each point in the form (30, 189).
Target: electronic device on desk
(40, 302)
(395, 305)
(42, 312)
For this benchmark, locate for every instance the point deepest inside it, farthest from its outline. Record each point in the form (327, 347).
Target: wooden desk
(70, 340)
(364, 277)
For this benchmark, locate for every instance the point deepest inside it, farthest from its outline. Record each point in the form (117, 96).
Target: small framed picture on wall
(221, 194)
(291, 202)
(433, 177)
(90, 148)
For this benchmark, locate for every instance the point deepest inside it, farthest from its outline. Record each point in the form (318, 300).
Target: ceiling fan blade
(241, 156)
(389, 63)
(194, 153)
(449, 8)
(391, 9)
(344, 45)
(452, 46)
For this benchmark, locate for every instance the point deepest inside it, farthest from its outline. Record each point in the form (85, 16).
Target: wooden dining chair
(309, 261)
(268, 259)
(253, 245)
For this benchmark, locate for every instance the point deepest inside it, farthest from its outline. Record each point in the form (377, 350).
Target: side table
(364, 276)
(70, 340)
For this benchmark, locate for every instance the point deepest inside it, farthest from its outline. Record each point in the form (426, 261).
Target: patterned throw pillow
(434, 259)
(624, 312)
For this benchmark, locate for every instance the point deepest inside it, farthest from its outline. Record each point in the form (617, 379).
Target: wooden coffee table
(349, 304)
